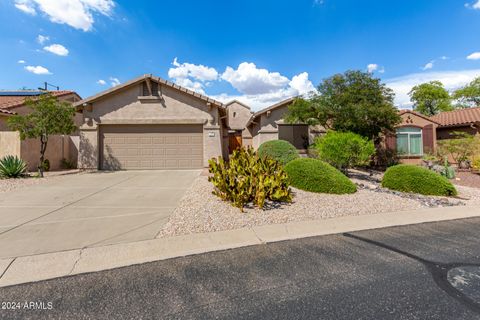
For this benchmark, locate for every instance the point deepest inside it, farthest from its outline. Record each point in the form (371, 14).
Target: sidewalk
(64, 263)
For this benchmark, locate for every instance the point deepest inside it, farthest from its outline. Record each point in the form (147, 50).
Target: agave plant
(12, 167)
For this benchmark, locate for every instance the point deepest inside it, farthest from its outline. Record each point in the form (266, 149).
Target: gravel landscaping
(467, 179)
(31, 179)
(200, 211)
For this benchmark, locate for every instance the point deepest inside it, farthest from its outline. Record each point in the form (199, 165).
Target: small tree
(460, 147)
(344, 150)
(354, 101)
(48, 117)
(430, 98)
(469, 95)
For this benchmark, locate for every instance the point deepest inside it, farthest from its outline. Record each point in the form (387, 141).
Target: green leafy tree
(354, 101)
(469, 95)
(344, 150)
(48, 117)
(430, 98)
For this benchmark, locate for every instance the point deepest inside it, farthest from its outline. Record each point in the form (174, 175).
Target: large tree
(354, 101)
(430, 98)
(48, 117)
(469, 95)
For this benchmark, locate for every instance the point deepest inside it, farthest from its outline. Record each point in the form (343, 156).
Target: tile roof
(458, 117)
(4, 111)
(17, 99)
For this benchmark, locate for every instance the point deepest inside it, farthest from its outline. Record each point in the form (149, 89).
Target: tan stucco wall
(124, 107)
(9, 143)
(238, 116)
(58, 148)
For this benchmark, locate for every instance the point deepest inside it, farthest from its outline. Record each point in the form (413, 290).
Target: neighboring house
(414, 137)
(151, 123)
(58, 148)
(463, 120)
(268, 124)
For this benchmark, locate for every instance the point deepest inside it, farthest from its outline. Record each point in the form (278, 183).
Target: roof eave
(141, 78)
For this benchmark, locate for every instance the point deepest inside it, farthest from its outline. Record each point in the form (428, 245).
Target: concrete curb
(92, 259)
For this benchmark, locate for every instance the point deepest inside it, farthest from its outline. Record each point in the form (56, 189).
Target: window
(409, 141)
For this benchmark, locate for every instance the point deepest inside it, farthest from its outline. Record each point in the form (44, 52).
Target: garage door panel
(152, 147)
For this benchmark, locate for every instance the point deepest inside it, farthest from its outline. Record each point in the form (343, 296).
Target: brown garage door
(151, 147)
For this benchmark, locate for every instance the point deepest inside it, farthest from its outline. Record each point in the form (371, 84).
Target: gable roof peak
(239, 102)
(154, 78)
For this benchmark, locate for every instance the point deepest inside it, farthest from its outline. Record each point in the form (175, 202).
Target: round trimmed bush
(318, 176)
(415, 179)
(280, 150)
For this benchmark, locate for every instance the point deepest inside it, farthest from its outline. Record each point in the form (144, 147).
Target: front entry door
(234, 141)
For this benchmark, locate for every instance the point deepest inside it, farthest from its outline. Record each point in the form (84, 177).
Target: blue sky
(258, 51)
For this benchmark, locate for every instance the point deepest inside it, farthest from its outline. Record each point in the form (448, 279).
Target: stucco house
(152, 123)
(59, 147)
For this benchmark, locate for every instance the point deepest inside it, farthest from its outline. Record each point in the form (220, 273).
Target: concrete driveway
(89, 209)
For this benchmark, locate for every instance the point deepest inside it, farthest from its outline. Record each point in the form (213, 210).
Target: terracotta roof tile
(11, 101)
(4, 111)
(458, 117)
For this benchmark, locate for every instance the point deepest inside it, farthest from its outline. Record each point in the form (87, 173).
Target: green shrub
(12, 167)
(247, 177)
(67, 164)
(410, 178)
(280, 150)
(318, 176)
(46, 165)
(344, 150)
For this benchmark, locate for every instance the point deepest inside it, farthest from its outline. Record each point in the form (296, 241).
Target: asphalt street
(427, 271)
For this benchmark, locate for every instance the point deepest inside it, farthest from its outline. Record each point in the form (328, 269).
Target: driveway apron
(89, 209)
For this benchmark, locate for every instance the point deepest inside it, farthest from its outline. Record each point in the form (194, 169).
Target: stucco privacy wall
(58, 148)
(9, 143)
(128, 106)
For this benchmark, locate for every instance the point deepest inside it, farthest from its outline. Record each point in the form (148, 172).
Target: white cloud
(57, 49)
(474, 56)
(451, 79)
(189, 84)
(372, 67)
(299, 85)
(114, 81)
(101, 82)
(250, 80)
(37, 70)
(42, 39)
(257, 87)
(21, 61)
(428, 66)
(75, 13)
(192, 76)
(26, 7)
(474, 5)
(190, 70)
